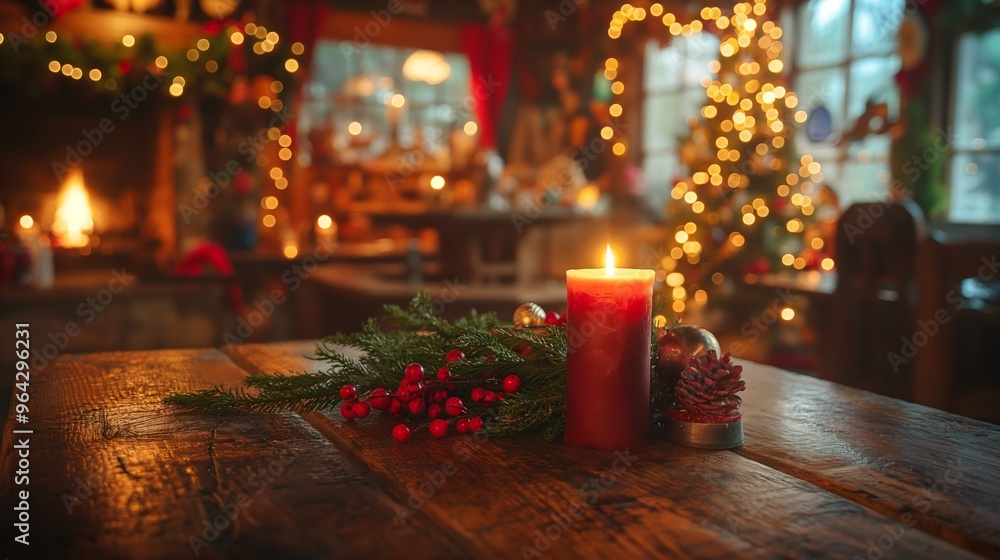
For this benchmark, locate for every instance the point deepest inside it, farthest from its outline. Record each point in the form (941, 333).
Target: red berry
(475, 424)
(455, 356)
(439, 396)
(439, 428)
(396, 406)
(414, 372)
(462, 425)
(553, 318)
(379, 399)
(415, 388)
(401, 433)
(417, 406)
(347, 410)
(477, 394)
(490, 398)
(361, 409)
(511, 383)
(435, 411)
(443, 374)
(454, 406)
(348, 392)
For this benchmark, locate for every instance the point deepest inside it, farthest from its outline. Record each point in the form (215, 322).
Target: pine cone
(708, 386)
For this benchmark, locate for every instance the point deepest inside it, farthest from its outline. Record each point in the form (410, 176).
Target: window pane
(663, 122)
(977, 112)
(662, 66)
(659, 172)
(823, 32)
(872, 78)
(876, 24)
(699, 51)
(975, 187)
(820, 88)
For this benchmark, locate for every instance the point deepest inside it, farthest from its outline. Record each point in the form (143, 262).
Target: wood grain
(895, 457)
(505, 493)
(117, 474)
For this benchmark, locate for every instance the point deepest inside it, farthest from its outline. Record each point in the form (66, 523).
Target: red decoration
(439, 428)
(361, 409)
(511, 383)
(348, 392)
(454, 406)
(401, 433)
(379, 399)
(347, 411)
(124, 67)
(214, 255)
(414, 372)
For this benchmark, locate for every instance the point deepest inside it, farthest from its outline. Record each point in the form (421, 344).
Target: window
(358, 97)
(975, 163)
(673, 96)
(844, 58)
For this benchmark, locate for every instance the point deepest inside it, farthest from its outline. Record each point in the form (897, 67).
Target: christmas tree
(749, 207)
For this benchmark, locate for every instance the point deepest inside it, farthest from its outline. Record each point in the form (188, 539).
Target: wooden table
(826, 471)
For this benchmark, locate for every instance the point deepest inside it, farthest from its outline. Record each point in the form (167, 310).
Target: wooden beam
(384, 28)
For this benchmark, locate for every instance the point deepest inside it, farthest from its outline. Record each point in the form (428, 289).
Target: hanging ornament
(529, 315)
(678, 347)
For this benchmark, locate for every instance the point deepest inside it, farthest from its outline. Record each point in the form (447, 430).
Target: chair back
(874, 301)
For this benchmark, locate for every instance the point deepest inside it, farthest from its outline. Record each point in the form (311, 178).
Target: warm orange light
(74, 218)
(609, 262)
(27, 221)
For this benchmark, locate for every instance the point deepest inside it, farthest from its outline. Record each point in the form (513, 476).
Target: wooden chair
(960, 331)
(874, 303)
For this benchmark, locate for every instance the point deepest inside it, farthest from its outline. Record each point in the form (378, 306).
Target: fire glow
(74, 221)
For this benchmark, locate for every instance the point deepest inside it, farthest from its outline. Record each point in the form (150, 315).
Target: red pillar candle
(607, 365)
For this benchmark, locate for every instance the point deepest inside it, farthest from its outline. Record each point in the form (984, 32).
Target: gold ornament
(529, 315)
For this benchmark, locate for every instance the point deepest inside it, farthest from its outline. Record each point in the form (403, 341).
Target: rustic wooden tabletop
(826, 471)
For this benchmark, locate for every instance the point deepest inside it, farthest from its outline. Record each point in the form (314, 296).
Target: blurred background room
(825, 198)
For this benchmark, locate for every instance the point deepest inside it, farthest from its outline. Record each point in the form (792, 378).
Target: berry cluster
(419, 396)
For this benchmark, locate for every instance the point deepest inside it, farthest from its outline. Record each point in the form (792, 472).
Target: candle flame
(609, 262)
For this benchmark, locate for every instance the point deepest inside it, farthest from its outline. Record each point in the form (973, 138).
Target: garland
(50, 59)
(477, 358)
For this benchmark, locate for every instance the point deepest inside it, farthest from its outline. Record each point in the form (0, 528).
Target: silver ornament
(529, 315)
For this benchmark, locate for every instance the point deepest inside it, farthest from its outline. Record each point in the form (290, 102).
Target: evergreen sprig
(377, 354)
